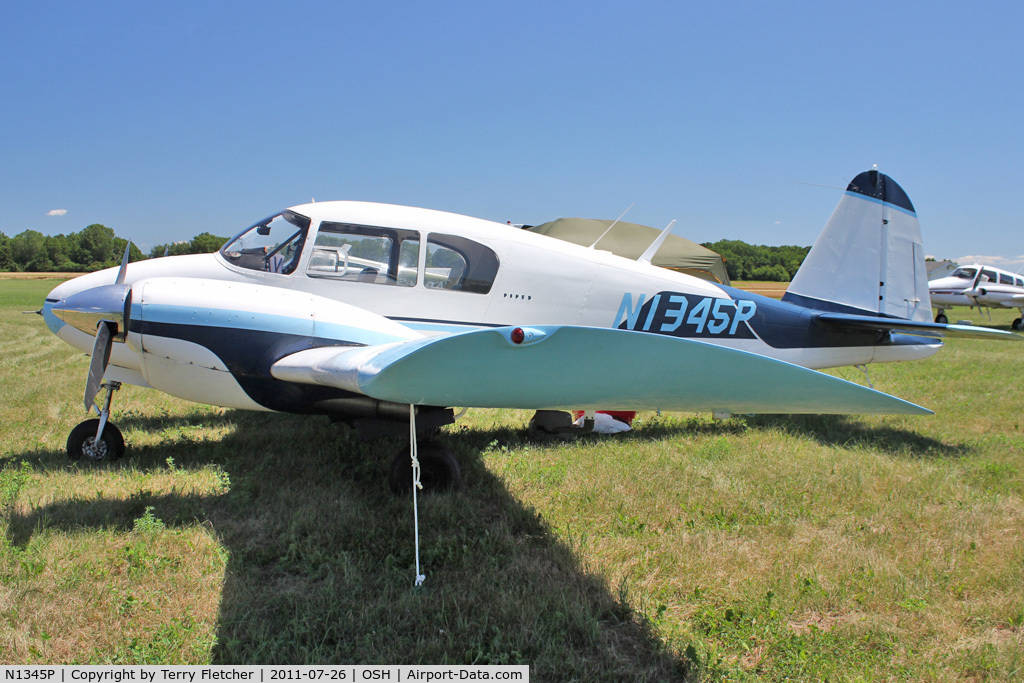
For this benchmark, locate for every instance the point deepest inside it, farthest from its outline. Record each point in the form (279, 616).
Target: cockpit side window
(964, 273)
(273, 245)
(459, 264)
(362, 253)
(989, 275)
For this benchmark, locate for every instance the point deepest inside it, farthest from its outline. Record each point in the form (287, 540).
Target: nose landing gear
(97, 439)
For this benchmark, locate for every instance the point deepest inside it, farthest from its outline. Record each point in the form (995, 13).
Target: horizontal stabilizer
(924, 329)
(583, 368)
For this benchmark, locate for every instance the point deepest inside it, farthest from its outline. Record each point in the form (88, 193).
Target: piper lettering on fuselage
(685, 315)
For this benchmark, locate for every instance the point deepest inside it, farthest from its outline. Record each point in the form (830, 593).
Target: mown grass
(759, 548)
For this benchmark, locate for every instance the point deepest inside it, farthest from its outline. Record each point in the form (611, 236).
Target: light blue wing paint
(585, 368)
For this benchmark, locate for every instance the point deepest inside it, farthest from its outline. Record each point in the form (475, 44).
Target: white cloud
(1011, 263)
(57, 212)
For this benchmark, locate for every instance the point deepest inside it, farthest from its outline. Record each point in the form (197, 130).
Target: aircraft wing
(923, 329)
(572, 367)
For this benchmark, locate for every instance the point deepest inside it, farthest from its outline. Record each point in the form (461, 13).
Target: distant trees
(6, 262)
(94, 248)
(203, 243)
(759, 262)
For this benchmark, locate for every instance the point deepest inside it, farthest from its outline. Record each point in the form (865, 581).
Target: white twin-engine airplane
(374, 313)
(978, 285)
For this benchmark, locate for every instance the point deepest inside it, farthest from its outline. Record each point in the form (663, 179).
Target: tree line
(97, 247)
(94, 248)
(759, 262)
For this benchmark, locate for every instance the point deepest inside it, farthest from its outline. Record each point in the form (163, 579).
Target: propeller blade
(977, 279)
(972, 292)
(98, 365)
(124, 264)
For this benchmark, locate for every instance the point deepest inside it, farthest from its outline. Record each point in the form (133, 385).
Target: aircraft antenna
(656, 244)
(612, 225)
(831, 187)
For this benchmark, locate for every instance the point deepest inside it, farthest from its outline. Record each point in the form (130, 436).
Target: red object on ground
(620, 415)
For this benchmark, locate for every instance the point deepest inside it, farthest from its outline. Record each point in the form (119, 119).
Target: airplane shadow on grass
(845, 432)
(321, 559)
(829, 430)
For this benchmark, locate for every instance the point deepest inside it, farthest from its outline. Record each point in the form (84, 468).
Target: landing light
(524, 336)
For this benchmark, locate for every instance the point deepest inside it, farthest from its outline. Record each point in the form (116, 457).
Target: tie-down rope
(416, 485)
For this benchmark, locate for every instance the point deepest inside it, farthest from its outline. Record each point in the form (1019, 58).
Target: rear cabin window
(458, 264)
(361, 253)
(1005, 279)
(1017, 281)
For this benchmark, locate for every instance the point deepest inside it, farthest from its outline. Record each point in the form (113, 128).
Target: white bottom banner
(397, 673)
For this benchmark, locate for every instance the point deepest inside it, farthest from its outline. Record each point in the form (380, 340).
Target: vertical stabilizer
(869, 259)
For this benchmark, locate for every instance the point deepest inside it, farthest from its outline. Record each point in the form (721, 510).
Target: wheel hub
(94, 449)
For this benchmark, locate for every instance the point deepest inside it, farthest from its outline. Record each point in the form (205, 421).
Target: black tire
(82, 442)
(1017, 324)
(439, 470)
(941, 318)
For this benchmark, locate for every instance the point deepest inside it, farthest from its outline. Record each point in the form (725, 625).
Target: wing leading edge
(584, 368)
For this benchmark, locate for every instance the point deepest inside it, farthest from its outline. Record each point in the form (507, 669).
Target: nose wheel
(97, 439)
(83, 444)
(1017, 324)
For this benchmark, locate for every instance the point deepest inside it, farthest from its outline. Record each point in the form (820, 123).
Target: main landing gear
(439, 470)
(1017, 324)
(98, 439)
(941, 317)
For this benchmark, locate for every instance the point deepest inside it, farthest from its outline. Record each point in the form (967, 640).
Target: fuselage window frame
(347, 267)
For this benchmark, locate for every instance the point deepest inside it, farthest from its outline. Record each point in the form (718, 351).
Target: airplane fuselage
(208, 327)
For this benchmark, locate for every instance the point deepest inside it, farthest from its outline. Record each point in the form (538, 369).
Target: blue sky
(163, 120)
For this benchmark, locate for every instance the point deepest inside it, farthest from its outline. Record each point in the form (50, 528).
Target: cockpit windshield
(273, 245)
(964, 273)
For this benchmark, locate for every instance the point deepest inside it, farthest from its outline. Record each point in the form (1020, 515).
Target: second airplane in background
(978, 285)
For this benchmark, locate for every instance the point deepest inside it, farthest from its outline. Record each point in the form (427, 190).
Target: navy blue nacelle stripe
(248, 355)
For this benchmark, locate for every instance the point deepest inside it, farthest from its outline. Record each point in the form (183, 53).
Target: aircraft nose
(86, 309)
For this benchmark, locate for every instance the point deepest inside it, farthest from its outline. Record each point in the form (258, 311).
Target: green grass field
(758, 548)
